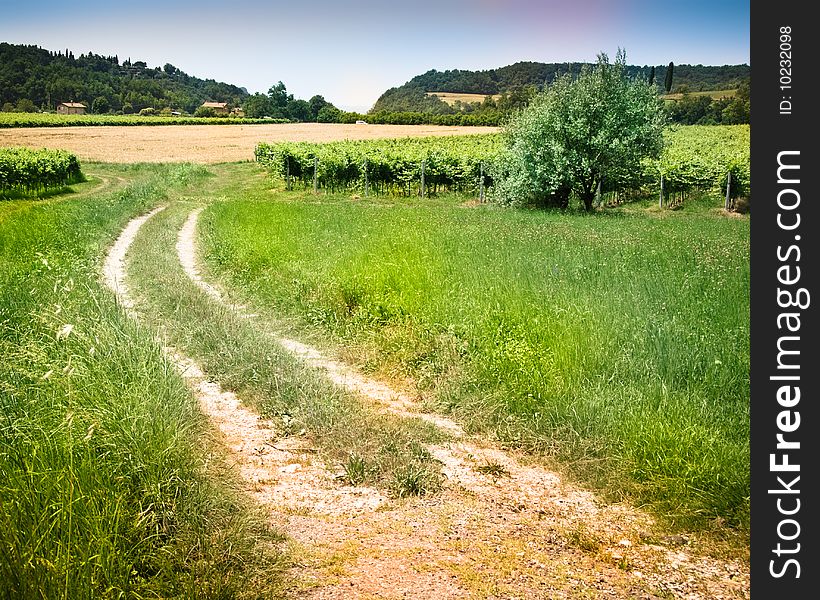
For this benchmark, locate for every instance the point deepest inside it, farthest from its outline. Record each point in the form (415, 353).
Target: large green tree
(257, 106)
(599, 125)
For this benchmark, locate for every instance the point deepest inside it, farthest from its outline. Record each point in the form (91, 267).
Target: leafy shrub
(26, 170)
(578, 132)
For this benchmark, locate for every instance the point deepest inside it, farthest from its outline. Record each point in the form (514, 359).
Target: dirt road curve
(202, 143)
(524, 535)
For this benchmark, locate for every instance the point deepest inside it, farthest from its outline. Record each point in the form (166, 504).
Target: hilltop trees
(600, 125)
(48, 78)
(694, 109)
(279, 104)
(257, 106)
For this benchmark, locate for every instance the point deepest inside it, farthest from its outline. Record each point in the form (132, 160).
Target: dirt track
(202, 143)
(525, 534)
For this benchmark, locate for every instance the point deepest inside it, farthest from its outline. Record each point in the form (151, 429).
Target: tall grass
(618, 343)
(372, 447)
(104, 490)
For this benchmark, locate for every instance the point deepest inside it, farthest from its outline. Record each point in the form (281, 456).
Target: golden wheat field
(203, 143)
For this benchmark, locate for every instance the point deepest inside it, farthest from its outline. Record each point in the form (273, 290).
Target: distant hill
(43, 78)
(521, 78)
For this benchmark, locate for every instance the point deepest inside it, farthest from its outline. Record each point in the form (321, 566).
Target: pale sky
(351, 52)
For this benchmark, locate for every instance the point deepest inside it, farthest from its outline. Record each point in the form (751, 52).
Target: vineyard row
(25, 170)
(694, 158)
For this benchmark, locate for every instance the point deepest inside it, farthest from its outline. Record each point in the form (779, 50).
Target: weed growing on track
(244, 358)
(617, 343)
(105, 490)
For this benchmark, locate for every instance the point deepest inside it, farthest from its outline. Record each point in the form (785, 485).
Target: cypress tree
(668, 82)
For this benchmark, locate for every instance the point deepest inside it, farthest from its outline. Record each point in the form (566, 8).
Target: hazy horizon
(351, 53)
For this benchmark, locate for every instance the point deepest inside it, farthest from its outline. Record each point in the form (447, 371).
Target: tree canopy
(46, 78)
(500, 84)
(579, 131)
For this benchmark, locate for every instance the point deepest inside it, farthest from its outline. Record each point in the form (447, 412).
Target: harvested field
(203, 143)
(451, 97)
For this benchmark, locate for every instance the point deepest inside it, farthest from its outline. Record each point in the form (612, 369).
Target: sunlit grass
(618, 343)
(297, 399)
(105, 490)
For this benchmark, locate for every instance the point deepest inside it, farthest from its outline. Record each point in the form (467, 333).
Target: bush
(25, 170)
(25, 105)
(329, 114)
(578, 133)
(100, 105)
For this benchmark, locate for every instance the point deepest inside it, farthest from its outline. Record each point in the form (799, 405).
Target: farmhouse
(71, 108)
(219, 108)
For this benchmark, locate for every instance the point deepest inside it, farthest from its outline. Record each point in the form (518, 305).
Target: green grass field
(617, 343)
(615, 346)
(111, 485)
(248, 360)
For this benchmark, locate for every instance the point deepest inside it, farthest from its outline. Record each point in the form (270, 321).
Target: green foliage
(513, 81)
(392, 166)
(104, 491)
(355, 469)
(279, 97)
(694, 158)
(491, 117)
(699, 157)
(24, 105)
(279, 104)
(48, 78)
(410, 98)
(317, 103)
(581, 130)
(25, 170)
(667, 82)
(299, 110)
(328, 114)
(699, 109)
(100, 105)
(205, 112)
(257, 106)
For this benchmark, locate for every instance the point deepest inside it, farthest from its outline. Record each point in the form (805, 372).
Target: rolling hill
(45, 78)
(418, 94)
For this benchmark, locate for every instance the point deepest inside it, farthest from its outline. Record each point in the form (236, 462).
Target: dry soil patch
(206, 144)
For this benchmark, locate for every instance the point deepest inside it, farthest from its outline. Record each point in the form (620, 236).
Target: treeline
(32, 78)
(696, 78)
(511, 87)
(693, 109)
(278, 104)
